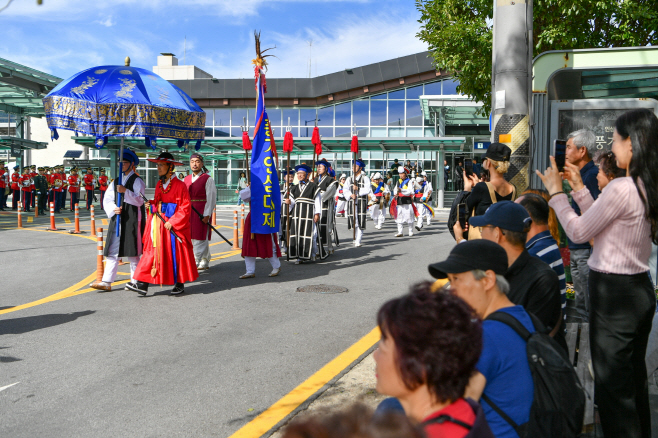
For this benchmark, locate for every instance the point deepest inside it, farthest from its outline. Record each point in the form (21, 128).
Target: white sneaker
(203, 266)
(411, 233)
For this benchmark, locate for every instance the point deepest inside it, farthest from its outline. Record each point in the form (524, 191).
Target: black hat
(166, 157)
(507, 215)
(469, 256)
(498, 152)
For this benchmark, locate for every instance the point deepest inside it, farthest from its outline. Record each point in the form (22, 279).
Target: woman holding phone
(623, 221)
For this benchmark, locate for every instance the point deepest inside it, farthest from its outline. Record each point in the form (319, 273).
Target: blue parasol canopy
(119, 101)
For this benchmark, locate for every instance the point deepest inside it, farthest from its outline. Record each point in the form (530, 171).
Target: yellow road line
(229, 254)
(65, 233)
(105, 222)
(67, 220)
(291, 401)
(30, 219)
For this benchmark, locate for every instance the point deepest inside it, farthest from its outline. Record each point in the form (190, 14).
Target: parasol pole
(119, 183)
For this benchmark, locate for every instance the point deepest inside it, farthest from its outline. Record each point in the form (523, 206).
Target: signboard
(87, 163)
(481, 145)
(600, 121)
(15, 150)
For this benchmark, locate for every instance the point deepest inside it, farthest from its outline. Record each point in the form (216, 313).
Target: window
(379, 96)
(433, 89)
(293, 115)
(236, 131)
(396, 132)
(274, 114)
(343, 131)
(450, 86)
(429, 132)
(378, 113)
(222, 117)
(414, 92)
(414, 132)
(327, 132)
(307, 117)
(209, 132)
(237, 116)
(377, 132)
(414, 113)
(398, 94)
(361, 112)
(209, 118)
(396, 113)
(326, 116)
(344, 114)
(222, 132)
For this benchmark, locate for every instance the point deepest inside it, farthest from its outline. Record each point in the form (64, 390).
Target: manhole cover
(322, 289)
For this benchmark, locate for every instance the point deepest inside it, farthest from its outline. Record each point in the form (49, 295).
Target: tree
(459, 33)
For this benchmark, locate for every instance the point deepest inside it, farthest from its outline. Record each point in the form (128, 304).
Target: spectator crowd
(481, 351)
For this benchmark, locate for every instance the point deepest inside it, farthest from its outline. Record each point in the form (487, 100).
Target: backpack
(454, 211)
(479, 429)
(558, 404)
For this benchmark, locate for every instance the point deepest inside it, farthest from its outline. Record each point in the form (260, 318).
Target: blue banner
(265, 191)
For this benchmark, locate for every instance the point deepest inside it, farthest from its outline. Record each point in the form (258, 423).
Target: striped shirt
(544, 247)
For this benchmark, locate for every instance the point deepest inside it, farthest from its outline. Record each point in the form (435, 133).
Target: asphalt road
(202, 364)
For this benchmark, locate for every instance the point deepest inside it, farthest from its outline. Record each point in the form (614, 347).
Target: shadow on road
(27, 324)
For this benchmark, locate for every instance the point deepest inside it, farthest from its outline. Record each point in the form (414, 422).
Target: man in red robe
(203, 196)
(264, 246)
(165, 259)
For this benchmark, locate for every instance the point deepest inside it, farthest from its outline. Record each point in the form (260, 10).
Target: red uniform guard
(102, 184)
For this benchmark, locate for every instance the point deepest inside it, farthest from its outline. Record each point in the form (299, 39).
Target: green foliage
(459, 33)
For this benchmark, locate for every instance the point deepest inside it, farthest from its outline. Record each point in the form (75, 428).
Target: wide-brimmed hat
(165, 157)
(359, 162)
(303, 168)
(128, 155)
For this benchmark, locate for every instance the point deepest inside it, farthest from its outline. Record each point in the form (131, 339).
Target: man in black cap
(476, 272)
(533, 284)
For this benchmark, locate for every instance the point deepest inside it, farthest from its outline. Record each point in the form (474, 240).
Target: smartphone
(560, 154)
(468, 166)
(462, 215)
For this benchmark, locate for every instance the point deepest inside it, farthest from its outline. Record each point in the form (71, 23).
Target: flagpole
(288, 129)
(245, 128)
(352, 190)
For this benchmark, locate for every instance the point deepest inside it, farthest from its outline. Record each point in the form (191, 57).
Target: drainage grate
(322, 289)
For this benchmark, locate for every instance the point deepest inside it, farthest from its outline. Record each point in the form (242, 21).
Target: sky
(62, 37)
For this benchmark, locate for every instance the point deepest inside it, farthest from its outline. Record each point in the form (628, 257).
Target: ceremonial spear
(354, 147)
(287, 147)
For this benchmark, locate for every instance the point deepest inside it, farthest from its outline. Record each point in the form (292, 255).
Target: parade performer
(264, 246)
(341, 202)
(41, 187)
(26, 188)
(306, 202)
(74, 187)
(58, 188)
(15, 188)
(404, 192)
(203, 197)
(328, 186)
(7, 187)
(426, 211)
(132, 214)
(65, 185)
(3, 185)
(285, 210)
(357, 191)
(90, 182)
(33, 174)
(380, 196)
(419, 200)
(102, 184)
(167, 260)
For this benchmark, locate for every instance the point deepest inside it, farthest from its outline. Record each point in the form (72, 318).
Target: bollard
(20, 218)
(214, 218)
(99, 257)
(93, 220)
(236, 239)
(77, 221)
(242, 220)
(52, 218)
(36, 208)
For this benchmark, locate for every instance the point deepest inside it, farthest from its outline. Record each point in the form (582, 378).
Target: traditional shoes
(247, 275)
(203, 265)
(139, 286)
(178, 289)
(275, 272)
(101, 285)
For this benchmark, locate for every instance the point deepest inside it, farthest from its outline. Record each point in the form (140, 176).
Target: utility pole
(511, 84)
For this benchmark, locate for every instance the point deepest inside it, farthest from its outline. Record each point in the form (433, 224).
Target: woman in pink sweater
(623, 222)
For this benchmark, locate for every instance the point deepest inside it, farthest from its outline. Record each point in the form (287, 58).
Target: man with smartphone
(580, 148)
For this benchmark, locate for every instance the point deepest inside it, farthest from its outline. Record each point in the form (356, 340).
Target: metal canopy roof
(6, 142)
(300, 146)
(22, 88)
(456, 109)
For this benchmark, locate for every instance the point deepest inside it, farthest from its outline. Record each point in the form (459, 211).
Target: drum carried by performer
(356, 190)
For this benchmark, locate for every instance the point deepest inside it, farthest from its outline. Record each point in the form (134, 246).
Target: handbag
(475, 233)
